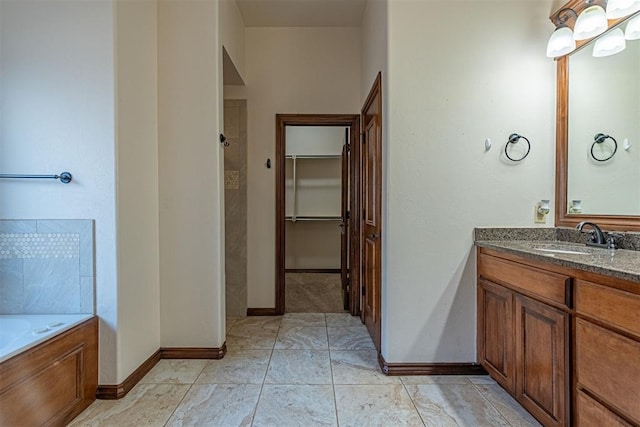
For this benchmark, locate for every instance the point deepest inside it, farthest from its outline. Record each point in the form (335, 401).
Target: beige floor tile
(249, 337)
(343, 319)
(174, 371)
(443, 405)
(230, 321)
(267, 322)
(358, 367)
(243, 367)
(146, 405)
(349, 338)
(375, 405)
(507, 406)
(299, 367)
(482, 380)
(295, 405)
(217, 405)
(303, 319)
(436, 379)
(302, 337)
(313, 293)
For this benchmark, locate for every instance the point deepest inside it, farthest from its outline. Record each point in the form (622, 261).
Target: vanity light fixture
(590, 23)
(609, 44)
(562, 41)
(633, 29)
(620, 8)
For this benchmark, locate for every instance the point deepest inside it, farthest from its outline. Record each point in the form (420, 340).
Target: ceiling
(301, 13)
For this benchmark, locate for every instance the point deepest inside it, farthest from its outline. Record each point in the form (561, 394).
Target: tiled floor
(302, 369)
(313, 293)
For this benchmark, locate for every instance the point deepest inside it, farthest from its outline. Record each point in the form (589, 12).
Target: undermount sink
(559, 248)
(562, 251)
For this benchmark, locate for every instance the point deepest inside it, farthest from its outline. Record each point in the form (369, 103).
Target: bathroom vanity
(559, 329)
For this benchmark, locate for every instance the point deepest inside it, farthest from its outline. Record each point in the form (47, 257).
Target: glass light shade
(633, 29)
(620, 8)
(561, 42)
(609, 44)
(591, 22)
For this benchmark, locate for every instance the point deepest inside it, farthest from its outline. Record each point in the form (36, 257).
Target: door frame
(282, 121)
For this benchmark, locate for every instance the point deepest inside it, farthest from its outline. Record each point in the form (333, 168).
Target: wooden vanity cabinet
(607, 353)
(523, 335)
(564, 342)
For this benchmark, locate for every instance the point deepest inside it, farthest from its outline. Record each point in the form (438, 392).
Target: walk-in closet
(316, 194)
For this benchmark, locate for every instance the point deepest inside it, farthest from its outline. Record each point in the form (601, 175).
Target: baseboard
(262, 311)
(313, 270)
(118, 391)
(395, 369)
(194, 352)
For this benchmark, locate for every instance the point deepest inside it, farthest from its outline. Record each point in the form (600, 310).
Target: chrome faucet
(597, 237)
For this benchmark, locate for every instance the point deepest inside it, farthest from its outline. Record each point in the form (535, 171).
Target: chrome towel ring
(599, 139)
(513, 139)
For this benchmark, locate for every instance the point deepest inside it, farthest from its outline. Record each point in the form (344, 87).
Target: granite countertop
(544, 245)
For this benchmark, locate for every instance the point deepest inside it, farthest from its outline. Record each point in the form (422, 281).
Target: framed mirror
(598, 137)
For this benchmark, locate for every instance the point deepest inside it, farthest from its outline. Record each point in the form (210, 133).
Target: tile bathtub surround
(46, 267)
(253, 386)
(624, 240)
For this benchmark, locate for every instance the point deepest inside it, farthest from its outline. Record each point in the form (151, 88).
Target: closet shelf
(313, 156)
(313, 218)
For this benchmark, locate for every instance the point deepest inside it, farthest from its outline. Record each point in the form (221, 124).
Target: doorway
(313, 205)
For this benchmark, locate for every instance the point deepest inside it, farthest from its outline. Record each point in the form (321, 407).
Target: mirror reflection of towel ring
(514, 138)
(599, 139)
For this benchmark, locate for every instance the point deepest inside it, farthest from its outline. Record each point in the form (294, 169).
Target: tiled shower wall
(235, 203)
(46, 267)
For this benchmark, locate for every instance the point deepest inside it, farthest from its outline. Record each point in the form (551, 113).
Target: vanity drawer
(590, 413)
(531, 281)
(607, 364)
(618, 308)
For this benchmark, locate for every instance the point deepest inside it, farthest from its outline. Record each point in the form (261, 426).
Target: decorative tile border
(34, 245)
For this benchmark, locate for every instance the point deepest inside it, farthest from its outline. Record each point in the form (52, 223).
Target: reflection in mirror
(604, 98)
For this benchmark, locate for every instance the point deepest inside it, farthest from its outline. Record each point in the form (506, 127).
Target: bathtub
(48, 367)
(20, 332)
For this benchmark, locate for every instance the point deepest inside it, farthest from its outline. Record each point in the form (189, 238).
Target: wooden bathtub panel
(53, 382)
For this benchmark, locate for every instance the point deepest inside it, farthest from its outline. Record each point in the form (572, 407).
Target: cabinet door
(542, 352)
(495, 332)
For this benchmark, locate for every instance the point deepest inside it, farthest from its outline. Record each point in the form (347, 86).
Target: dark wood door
(372, 210)
(542, 350)
(495, 333)
(344, 224)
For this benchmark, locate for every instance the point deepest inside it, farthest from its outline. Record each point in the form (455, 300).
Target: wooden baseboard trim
(194, 352)
(395, 369)
(262, 311)
(313, 270)
(118, 391)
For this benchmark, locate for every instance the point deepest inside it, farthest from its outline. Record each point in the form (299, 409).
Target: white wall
(190, 167)
(231, 33)
(57, 103)
(288, 70)
(448, 90)
(137, 184)
(604, 98)
(374, 41)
